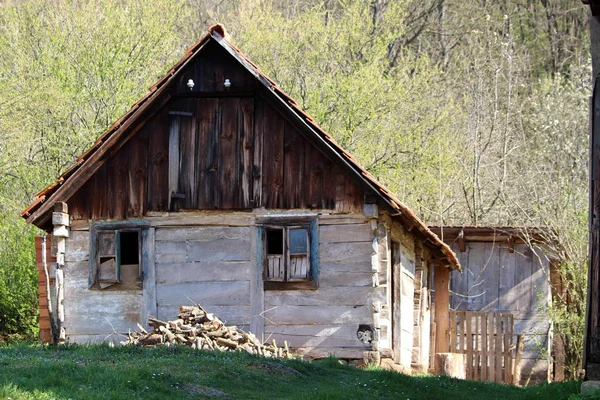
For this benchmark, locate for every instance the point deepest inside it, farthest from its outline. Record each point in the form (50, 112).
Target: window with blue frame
(115, 262)
(290, 255)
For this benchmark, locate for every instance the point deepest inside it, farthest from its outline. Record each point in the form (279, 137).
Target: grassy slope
(100, 372)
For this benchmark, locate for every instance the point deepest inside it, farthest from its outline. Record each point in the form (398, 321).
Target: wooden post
(442, 307)
(51, 316)
(60, 220)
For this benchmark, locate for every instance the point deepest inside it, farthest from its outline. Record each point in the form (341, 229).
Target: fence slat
(498, 352)
(486, 340)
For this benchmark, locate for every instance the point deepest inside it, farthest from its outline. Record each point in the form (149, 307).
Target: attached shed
(507, 270)
(216, 188)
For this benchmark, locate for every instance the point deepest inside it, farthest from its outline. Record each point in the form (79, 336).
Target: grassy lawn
(101, 372)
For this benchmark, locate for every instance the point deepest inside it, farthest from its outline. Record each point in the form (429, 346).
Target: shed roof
(38, 211)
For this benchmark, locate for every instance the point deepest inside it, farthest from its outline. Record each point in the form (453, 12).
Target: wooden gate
(486, 339)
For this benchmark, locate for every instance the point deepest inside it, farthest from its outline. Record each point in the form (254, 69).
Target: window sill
(118, 287)
(304, 285)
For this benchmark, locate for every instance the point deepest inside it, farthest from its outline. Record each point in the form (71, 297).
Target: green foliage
(18, 279)
(99, 372)
(67, 71)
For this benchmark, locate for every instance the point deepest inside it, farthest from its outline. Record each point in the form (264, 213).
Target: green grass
(101, 372)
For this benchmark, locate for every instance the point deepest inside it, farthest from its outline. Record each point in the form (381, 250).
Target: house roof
(38, 212)
(479, 233)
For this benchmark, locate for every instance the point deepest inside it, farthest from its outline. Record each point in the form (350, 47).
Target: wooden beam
(442, 307)
(511, 244)
(461, 241)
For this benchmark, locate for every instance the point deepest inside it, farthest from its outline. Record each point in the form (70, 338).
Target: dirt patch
(273, 368)
(203, 390)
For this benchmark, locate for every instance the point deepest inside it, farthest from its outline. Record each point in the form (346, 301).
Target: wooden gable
(214, 147)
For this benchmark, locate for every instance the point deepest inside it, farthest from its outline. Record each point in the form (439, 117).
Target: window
(116, 261)
(290, 255)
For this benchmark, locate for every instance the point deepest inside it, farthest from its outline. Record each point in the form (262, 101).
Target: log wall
(496, 280)
(210, 258)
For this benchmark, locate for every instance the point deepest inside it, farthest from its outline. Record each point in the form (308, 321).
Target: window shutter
(298, 254)
(107, 258)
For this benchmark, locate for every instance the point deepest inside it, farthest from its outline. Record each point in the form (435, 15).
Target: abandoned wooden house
(217, 189)
(509, 271)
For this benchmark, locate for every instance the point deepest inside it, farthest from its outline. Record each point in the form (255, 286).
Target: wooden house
(508, 270)
(216, 188)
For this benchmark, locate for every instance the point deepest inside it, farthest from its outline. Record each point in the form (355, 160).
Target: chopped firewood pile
(201, 330)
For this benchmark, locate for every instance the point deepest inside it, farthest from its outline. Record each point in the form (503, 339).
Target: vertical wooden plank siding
(273, 159)
(293, 168)
(208, 118)
(158, 152)
(137, 174)
(246, 144)
(188, 151)
(257, 162)
(173, 157)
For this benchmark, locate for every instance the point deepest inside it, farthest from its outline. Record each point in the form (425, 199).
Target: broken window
(116, 260)
(288, 263)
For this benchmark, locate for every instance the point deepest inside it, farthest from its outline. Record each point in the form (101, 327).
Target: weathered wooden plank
(273, 158)
(319, 315)
(219, 250)
(257, 157)
(202, 233)
(293, 168)
(523, 289)
(335, 267)
(94, 324)
(345, 279)
(188, 151)
(507, 271)
(77, 246)
(217, 293)
(490, 277)
(345, 233)
(229, 177)
(209, 128)
(204, 218)
(149, 274)
(158, 145)
(246, 144)
(102, 303)
(202, 271)
(478, 261)
(137, 174)
(98, 203)
(348, 252)
(459, 281)
(314, 171)
(345, 219)
(117, 183)
(174, 157)
(326, 296)
(257, 301)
